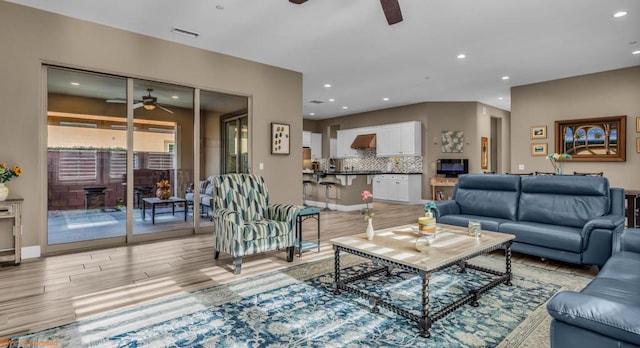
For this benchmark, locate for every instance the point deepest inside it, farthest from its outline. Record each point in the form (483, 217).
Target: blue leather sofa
(575, 219)
(606, 313)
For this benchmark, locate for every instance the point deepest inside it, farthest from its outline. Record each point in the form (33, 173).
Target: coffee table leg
(144, 204)
(153, 214)
(507, 252)
(425, 322)
(336, 277)
(186, 208)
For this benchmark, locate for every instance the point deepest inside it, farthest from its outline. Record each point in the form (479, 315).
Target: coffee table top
(397, 244)
(155, 200)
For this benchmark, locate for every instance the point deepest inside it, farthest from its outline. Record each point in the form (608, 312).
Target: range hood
(364, 142)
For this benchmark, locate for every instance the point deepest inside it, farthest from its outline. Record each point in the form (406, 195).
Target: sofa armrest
(612, 319)
(283, 212)
(614, 223)
(446, 208)
(631, 240)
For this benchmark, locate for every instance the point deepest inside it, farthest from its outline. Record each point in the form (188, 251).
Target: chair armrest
(631, 240)
(446, 208)
(283, 212)
(613, 319)
(228, 225)
(224, 214)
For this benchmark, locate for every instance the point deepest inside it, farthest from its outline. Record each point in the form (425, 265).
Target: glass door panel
(163, 157)
(86, 156)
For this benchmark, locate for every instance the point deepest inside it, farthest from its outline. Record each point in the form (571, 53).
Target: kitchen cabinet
(316, 146)
(344, 141)
(406, 188)
(306, 139)
(399, 139)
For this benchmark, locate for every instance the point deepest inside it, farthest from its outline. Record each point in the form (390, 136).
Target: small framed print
(280, 139)
(637, 124)
(638, 145)
(539, 149)
(539, 132)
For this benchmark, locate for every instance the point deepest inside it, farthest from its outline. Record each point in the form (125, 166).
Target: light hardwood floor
(56, 290)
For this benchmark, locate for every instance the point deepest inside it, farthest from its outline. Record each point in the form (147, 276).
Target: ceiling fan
(391, 10)
(148, 102)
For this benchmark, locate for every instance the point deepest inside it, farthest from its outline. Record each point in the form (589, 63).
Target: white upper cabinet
(316, 146)
(306, 139)
(399, 139)
(345, 139)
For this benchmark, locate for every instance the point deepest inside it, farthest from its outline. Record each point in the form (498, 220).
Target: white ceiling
(350, 45)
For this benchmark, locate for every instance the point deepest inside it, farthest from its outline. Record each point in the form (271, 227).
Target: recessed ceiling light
(636, 52)
(75, 83)
(505, 77)
(462, 56)
(620, 14)
(385, 99)
(174, 97)
(332, 100)
(345, 107)
(312, 114)
(500, 98)
(327, 85)
(219, 7)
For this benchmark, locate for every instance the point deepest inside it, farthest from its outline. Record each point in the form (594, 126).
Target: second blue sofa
(575, 219)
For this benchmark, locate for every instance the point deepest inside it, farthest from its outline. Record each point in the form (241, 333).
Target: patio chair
(245, 222)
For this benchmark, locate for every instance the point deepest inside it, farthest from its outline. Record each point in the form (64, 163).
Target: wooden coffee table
(395, 248)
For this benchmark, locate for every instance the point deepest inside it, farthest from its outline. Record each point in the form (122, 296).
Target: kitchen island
(346, 194)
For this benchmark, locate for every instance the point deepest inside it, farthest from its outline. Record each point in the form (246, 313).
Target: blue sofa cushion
(563, 200)
(615, 290)
(545, 235)
(493, 196)
(488, 223)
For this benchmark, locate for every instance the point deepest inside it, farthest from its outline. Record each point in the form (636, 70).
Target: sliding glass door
(236, 151)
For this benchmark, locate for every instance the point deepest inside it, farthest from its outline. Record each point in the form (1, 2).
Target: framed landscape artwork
(539, 149)
(539, 132)
(592, 139)
(484, 153)
(280, 139)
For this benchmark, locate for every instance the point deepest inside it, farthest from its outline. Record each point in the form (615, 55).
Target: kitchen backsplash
(372, 163)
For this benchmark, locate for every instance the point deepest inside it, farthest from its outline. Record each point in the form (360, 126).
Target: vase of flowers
(6, 173)
(164, 189)
(557, 161)
(368, 214)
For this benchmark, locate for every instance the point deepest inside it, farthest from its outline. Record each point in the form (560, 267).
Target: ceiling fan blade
(117, 101)
(163, 108)
(298, 2)
(392, 11)
(138, 105)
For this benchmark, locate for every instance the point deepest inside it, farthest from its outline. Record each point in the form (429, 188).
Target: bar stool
(327, 185)
(304, 191)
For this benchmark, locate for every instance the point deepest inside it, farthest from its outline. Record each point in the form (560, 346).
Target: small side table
(11, 209)
(307, 213)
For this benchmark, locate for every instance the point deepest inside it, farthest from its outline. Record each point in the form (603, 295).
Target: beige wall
(30, 37)
(435, 117)
(610, 93)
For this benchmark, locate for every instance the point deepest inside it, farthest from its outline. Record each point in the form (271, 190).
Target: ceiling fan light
(149, 106)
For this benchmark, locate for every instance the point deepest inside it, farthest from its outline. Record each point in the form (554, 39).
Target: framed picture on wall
(592, 139)
(638, 145)
(637, 124)
(539, 149)
(484, 153)
(280, 139)
(539, 132)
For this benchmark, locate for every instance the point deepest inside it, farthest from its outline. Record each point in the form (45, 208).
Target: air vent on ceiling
(185, 32)
(316, 101)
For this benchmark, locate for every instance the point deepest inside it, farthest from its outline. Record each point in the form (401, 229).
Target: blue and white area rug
(296, 307)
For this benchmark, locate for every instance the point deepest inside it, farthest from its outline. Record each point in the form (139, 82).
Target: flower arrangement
(429, 206)
(121, 204)
(164, 189)
(557, 161)
(396, 163)
(7, 173)
(368, 213)
(163, 184)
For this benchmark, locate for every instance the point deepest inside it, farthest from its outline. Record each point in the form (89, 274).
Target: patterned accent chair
(245, 222)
